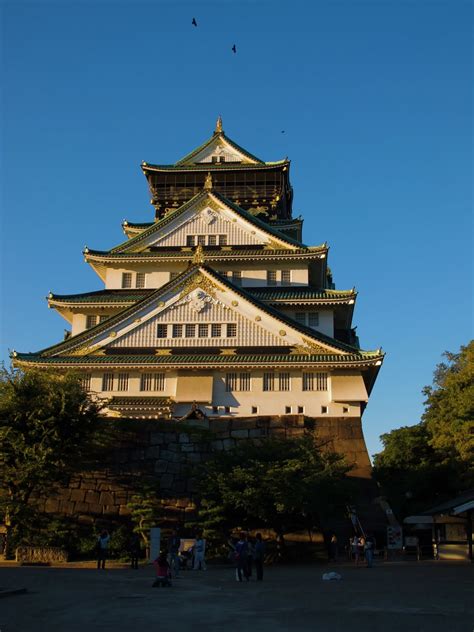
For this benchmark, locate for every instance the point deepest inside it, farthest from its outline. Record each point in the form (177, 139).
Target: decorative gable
(219, 151)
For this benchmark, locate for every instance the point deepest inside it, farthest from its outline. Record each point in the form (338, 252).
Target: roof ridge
(217, 135)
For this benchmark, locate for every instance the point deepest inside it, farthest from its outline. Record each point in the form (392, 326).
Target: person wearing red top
(163, 572)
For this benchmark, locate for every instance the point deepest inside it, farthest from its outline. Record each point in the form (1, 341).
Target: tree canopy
(433, 459)
(277, 483)
(46, 424)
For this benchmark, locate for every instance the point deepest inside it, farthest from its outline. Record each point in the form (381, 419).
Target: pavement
(405, 596)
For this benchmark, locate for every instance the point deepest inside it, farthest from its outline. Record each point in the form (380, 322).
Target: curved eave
(200, 362)
(212, 166)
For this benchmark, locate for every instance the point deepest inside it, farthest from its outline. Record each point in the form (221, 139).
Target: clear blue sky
(375, 100)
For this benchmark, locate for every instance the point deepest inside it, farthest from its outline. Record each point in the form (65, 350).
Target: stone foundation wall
(166, 452)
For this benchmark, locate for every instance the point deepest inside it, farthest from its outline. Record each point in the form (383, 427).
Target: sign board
(155, 539)
(394, 538)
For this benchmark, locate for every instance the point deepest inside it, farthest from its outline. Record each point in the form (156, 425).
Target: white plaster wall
(326, 317)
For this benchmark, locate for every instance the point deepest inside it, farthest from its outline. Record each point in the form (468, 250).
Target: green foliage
(46, 424)
(146, 511)
(425, 463)
(277, 483)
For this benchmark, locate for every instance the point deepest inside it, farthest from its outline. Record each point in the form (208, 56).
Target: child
(163, 572)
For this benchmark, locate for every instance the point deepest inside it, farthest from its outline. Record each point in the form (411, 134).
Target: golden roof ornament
(218, 129)
(208, 182)
(198, 257)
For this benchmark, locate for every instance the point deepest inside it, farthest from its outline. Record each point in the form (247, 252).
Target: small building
(451, 526)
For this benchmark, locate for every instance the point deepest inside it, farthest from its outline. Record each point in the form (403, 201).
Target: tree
(427, 462)
(146, 511)
(277, 483)
(46, 424)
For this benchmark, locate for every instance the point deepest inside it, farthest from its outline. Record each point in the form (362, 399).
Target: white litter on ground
(331, 576)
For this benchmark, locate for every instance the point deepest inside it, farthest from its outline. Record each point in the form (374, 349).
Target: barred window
(91, 321)
(230, 382)
(224, 273)
(245, 381)
(189, 240)
(159, 382)
(222, 240)
(212, 240)
(108, 382)
(201, 240)
(103, 317)
(122, 382)
(216, 330)
(237, 277)
(173, 275)
(300, 318)
(146, 381)
(140, 279)
(284, 382)
(190, 331)
(231, 330)
(271, 277)
(203, 331)
(313, 319)
(162, 331)
(177, 331)
(285, 276)
(268, 381)
(86, 381)
(315, 381)
(126, 279)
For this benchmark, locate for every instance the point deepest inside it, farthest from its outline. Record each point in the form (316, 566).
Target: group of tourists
(247, 552)
(362, 548)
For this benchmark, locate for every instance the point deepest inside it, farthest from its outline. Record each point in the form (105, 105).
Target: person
(241, 549)
(361, 549)
(259, 556)
(355, 549)
(199, 551)
(163, 572)
(134, 550)
(333, 548)
(173, 549)
(102, 548)
(369, 552)
(250, 556)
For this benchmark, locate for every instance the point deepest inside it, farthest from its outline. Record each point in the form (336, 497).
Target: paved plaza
(422, 597)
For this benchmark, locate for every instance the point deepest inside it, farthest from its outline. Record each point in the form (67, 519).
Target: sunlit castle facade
(216, 306)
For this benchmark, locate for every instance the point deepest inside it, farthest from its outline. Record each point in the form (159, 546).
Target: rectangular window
(103, 318)
(189, 240)
(300, 318)
(313, 319)
(203, 331)
(285, 277)
(230, 382)
(159, 382)
(321, 381)
(284, 382)
(288, 410)
(227, 409)
(271, 277)
(146, 381)
(345, 409)
(237, 277)
(201, 240)
(215, 410)
(173, 275)
(108, 382)
(324, 410)
(231, 330)
(190, 331)
(244, 381)
(91, 321)
(126, 279)
(162, 331)
(222, 240)
(122, 382)
(86, 381)
(212, 240)
(140, 280)
(224, 273)
(254, 410)
(268, 381)
(177, 331)
(216, 330)
(308, 381)
(300, 410)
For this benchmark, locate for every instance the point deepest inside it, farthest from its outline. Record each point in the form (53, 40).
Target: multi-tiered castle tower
(216, 305)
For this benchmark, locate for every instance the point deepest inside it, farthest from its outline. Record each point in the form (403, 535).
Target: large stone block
(157, 438)
(152, 452)
(92, 497)
(77, 495)
(51, 505)
(161, 466)
(106, 498)
(240, 434)
(166, 481)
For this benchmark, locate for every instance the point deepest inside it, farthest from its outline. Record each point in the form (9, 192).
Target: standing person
(134, 550)
(355, 549)
(250, 555)
(333, 548)
(369, 552)
(259, 556)
(199, 552)
(102, 548)
(361, 548)
(241, 549)
(173, 549)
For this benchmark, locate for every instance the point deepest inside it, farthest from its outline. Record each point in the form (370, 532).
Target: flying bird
(282, 131)
(234, 49)
(194, 23)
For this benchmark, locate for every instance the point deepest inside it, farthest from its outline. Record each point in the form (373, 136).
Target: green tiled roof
(102, 296)
(213, 166)
(157, 226)
(139, 401)
(365, 357)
